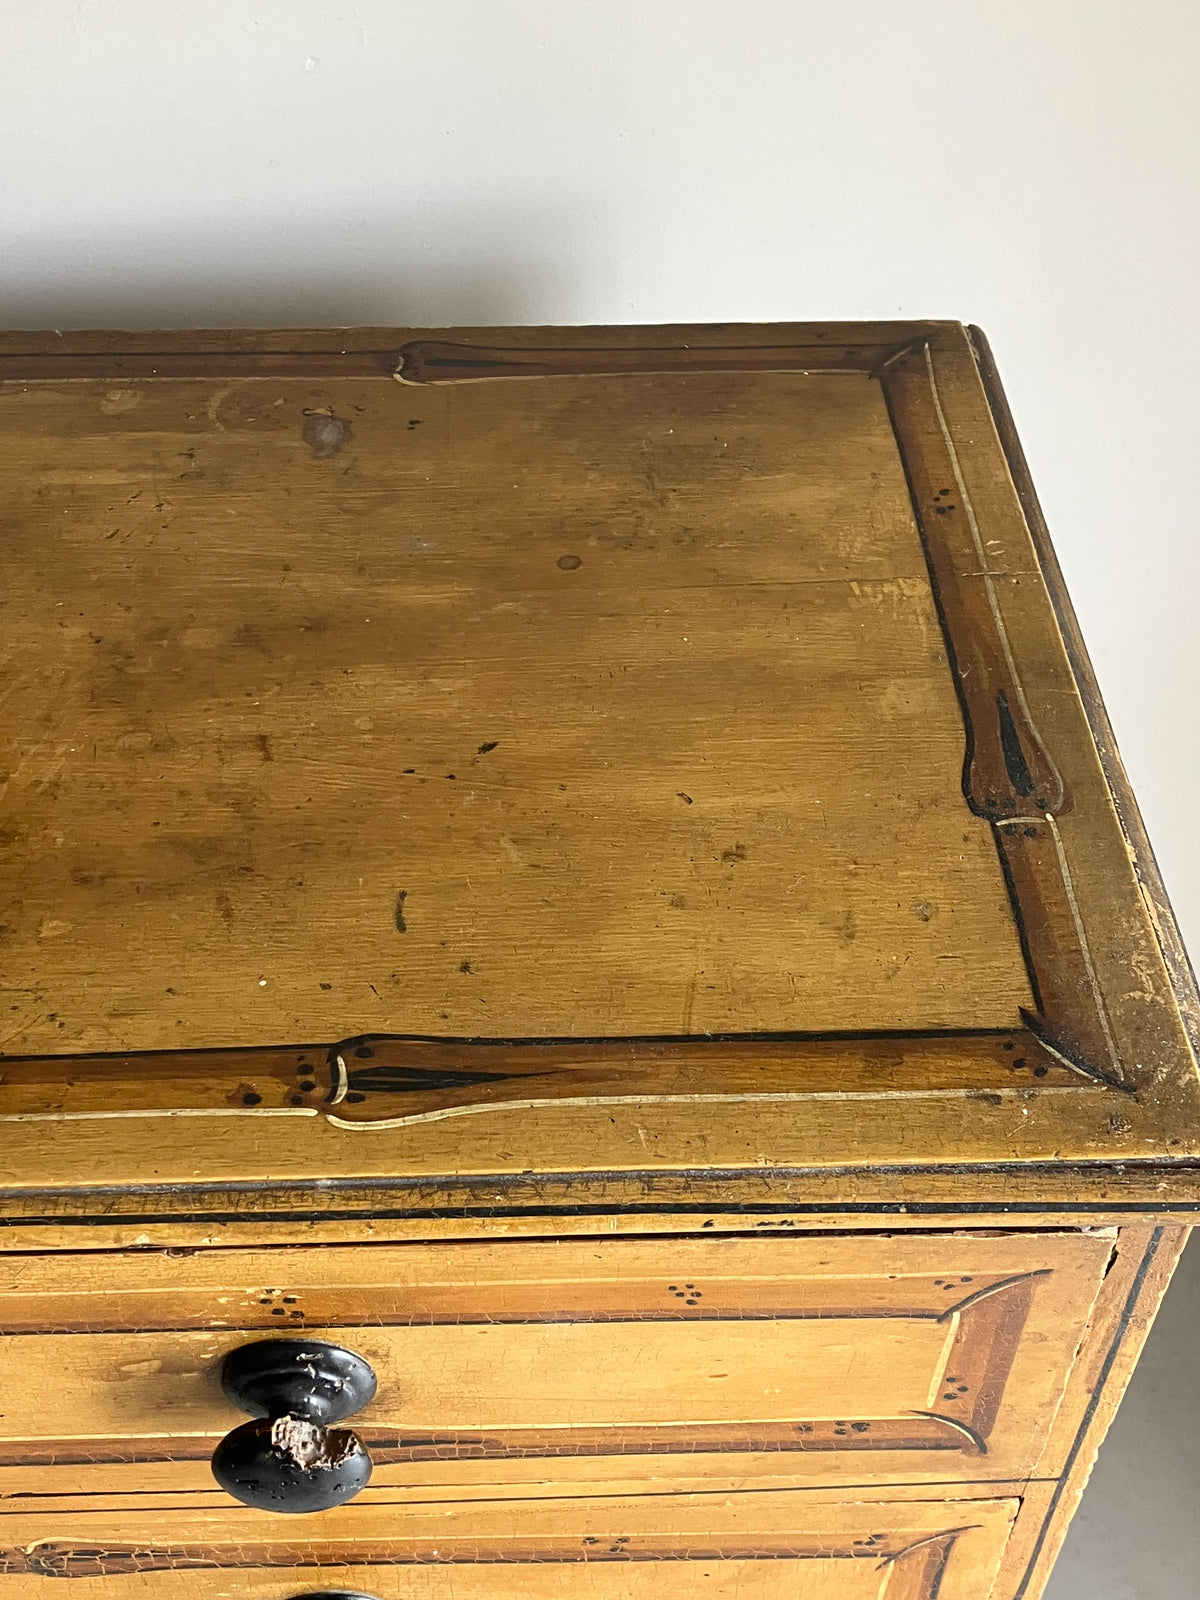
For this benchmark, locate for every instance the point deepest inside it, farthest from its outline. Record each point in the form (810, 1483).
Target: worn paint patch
(324, 433)
(116, 401)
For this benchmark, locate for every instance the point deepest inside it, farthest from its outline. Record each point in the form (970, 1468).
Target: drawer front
(774, 1546)
(900, 1357)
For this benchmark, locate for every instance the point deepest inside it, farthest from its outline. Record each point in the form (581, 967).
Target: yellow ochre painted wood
(240, 803)
(778, 1544)
(649, 674)
(935, 1355)
(645, 786)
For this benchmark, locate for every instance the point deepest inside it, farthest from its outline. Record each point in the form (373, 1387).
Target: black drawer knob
(336, 1594)
(291, 1459)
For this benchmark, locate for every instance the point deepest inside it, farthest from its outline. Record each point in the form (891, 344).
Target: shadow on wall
(470, 266)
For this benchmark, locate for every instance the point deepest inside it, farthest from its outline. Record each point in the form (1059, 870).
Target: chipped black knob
(291, 1459)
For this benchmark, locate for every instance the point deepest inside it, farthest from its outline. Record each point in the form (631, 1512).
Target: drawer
(772, 1546)
(896, 1358)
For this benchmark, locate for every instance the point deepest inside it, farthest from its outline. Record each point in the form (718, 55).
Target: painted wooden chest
(585, 1004)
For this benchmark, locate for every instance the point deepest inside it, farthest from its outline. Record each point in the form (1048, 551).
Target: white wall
(1030, 165)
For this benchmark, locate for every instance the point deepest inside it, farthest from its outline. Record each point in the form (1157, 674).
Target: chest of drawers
(586, 868)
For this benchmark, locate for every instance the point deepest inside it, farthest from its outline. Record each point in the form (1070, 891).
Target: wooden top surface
(548, 708)
(581, 685)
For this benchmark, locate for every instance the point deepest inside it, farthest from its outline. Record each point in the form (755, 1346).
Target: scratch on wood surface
(689, 1001)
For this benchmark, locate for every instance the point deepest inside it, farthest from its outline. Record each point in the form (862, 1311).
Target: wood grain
(1145, 1261)
(381, 1081)
(769, 1545)
(635, 459)
(753, 1200)
(613, 681)
(637, 781)
(894, 1350)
